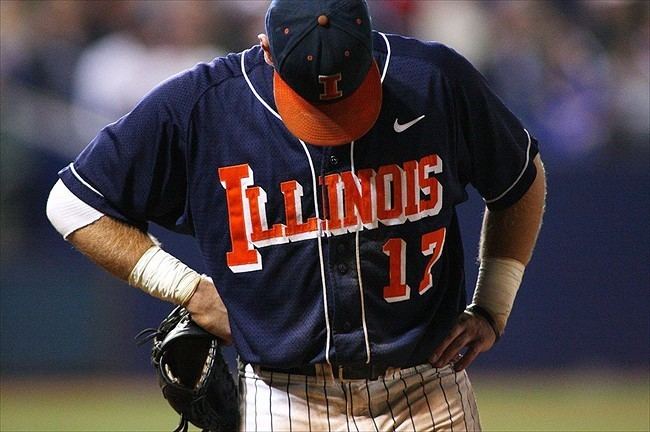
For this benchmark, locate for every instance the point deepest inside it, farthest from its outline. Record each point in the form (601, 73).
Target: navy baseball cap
(326, 84)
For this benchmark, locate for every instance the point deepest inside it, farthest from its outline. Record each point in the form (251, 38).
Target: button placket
(345, 287)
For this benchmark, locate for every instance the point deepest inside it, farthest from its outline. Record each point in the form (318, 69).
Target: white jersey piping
(356, 239)
(84, 182)
(320, 253)
(383, 74)
(250, 85)
(314, 188)
(521, 174)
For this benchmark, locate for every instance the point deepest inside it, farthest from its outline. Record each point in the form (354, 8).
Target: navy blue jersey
(345, 254)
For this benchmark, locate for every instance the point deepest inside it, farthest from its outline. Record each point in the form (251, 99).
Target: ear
(264, 43)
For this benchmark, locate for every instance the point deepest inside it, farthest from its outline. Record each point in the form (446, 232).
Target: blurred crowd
(576, 72)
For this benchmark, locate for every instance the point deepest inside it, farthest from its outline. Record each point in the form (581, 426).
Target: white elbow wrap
(66, 212)
(164, 276)
(496, 287)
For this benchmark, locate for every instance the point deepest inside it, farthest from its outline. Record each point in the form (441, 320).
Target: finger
(452, 350)
(456, 331)
(467, 359)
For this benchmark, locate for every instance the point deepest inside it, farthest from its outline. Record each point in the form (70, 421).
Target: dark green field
(605, 401)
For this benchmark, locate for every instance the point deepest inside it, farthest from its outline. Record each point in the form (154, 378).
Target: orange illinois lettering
(389, 195)
(242, 257)
(430, 185)
(261, 235)
(335, 203)
(412, 187)
(397, 289)
(330, 86)
(358, 198)
(296, 229)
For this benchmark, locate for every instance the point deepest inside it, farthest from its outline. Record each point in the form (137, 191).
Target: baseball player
(319, 173)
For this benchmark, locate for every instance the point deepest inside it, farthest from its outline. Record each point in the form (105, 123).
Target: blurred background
(576, 352)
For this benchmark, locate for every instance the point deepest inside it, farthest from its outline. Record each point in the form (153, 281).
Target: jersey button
(342, 268)
(334, 160)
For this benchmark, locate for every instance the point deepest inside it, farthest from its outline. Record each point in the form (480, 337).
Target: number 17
(395, 248)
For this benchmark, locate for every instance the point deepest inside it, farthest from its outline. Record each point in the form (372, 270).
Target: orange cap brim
(334, 123)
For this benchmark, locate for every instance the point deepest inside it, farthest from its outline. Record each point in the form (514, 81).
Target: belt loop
(340, 373)
(376, 372)
(327, 372)
(318, 374)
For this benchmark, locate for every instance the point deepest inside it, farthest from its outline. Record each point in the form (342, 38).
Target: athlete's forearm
(506, 235)
(118, 247)
(512, 232)
(113, 245)
(132, 256)
(507, 241)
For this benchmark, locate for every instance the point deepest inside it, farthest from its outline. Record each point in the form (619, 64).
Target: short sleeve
(499, 151)
(135, 169)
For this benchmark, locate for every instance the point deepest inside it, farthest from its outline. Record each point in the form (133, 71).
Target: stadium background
(576, 352)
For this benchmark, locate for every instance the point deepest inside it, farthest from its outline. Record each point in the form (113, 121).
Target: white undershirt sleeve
(66, 212)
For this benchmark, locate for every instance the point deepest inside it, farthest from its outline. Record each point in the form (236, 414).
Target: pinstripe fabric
(444, 395)
(462, 404)
(255, 403)
(426, 397)
(369, 407)
(347, 410)
(420, 398)
(471, 406)
(289, 400)
(242, 397)
(327, 404)
(307, 401)
(406, 396)
(388, 404)
(270, 387)
(351, 413)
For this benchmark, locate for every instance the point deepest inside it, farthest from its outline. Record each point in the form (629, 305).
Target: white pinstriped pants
(421, 398)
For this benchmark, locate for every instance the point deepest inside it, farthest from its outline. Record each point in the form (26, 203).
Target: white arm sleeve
(67, 212)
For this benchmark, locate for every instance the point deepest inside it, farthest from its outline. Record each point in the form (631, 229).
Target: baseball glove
(193, 376)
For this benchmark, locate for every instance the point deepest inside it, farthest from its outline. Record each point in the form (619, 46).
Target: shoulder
(436, 56)
(406, 46)
(188, 86)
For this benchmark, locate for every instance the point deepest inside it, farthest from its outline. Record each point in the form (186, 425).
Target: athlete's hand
(471, 332)
(208, 311)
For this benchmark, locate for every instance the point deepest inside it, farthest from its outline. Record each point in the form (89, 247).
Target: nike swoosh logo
(399, 128)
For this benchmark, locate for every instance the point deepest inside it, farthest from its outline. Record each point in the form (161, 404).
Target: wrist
(163, 276)
(481, 312)
(496, 288)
